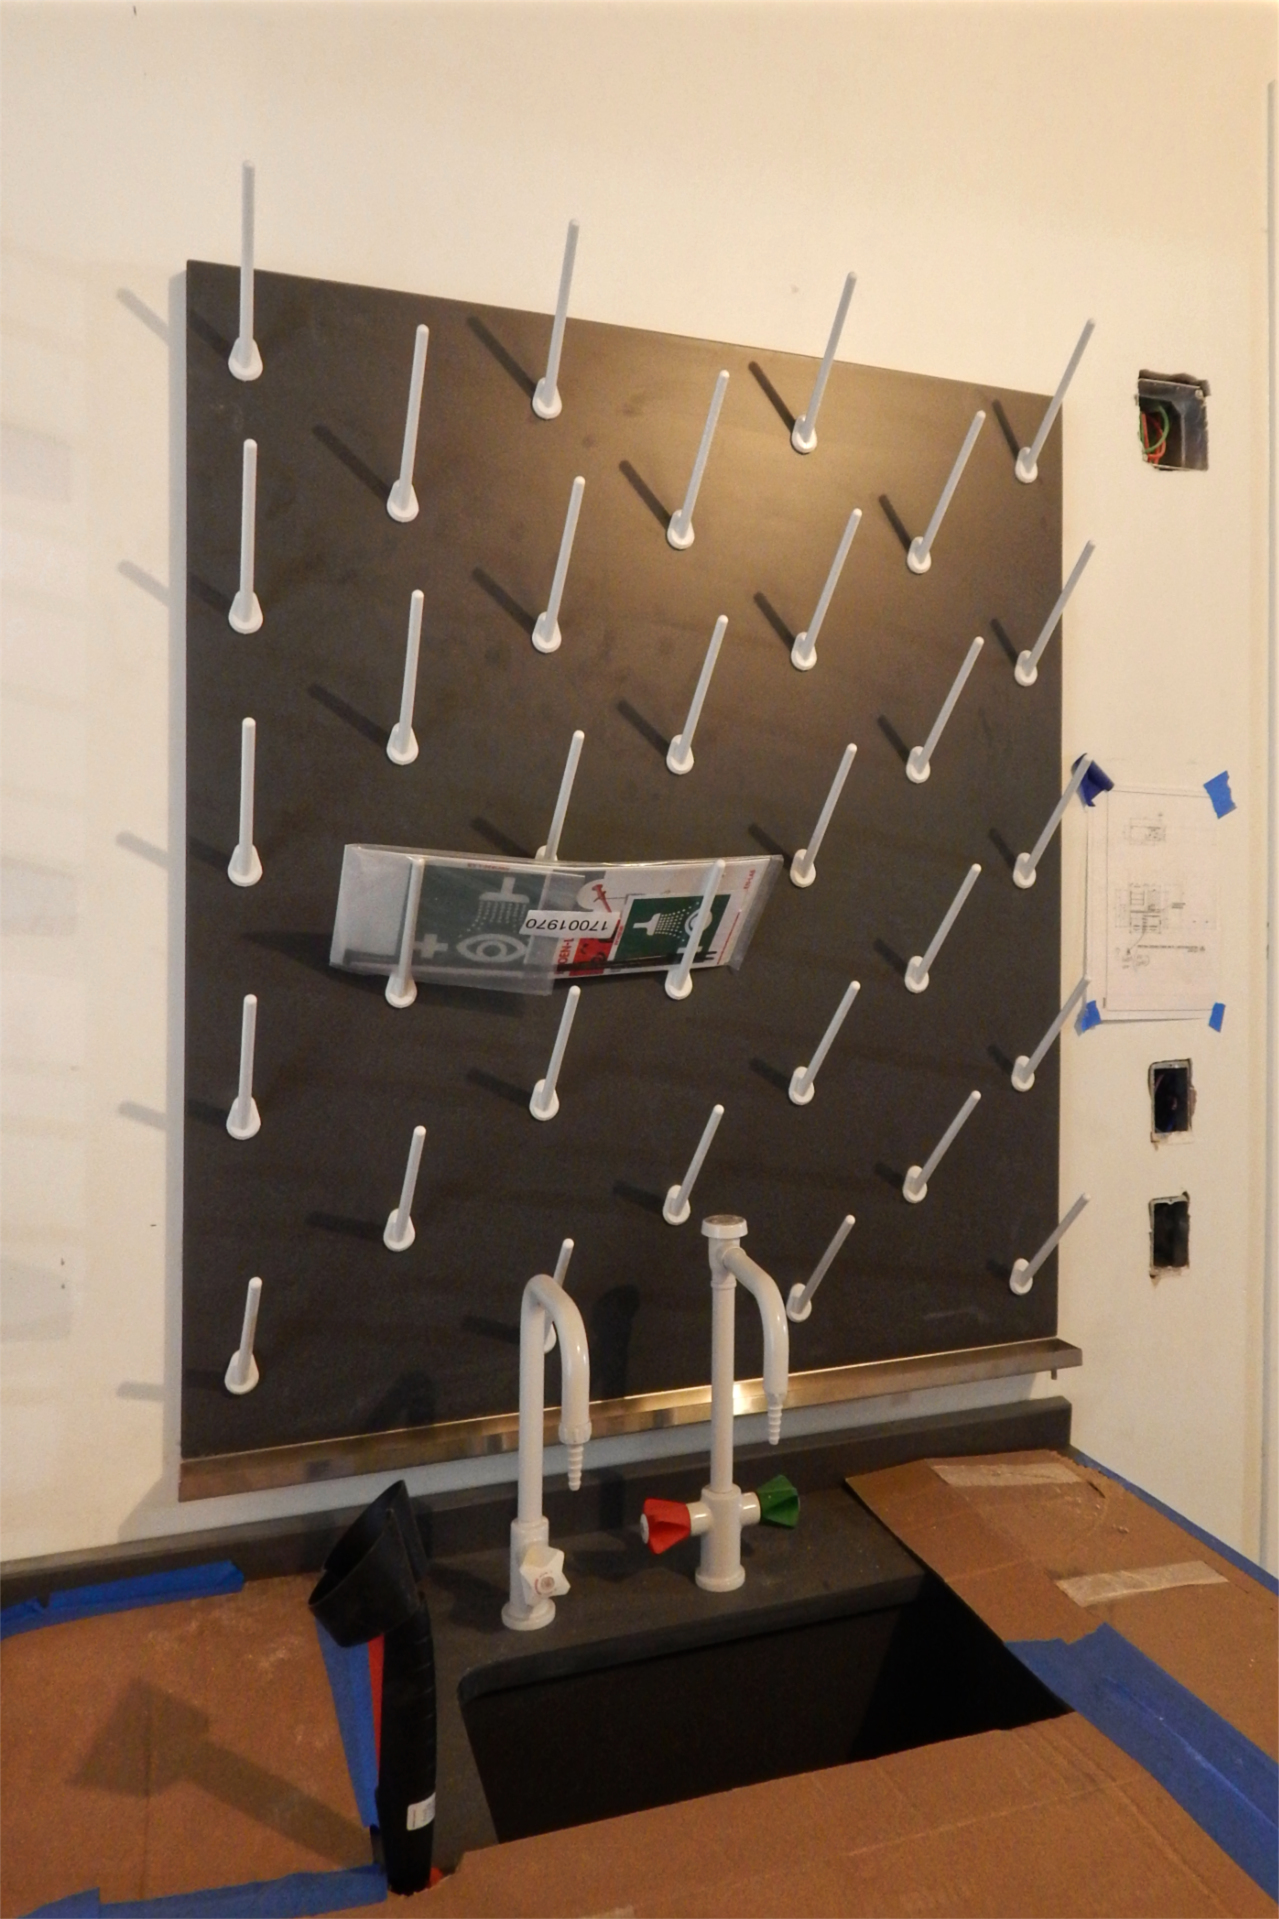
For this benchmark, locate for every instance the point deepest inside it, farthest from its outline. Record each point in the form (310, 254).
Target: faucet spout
(772, 1312)
(575, 1364)
(537, 1572)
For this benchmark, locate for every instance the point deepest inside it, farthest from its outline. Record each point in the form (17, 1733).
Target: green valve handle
(778, 1502)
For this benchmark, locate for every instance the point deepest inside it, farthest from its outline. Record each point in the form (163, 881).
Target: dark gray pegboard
(355, 1339)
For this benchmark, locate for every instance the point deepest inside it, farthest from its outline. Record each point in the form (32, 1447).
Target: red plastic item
(668, 1523)
(376, 1649)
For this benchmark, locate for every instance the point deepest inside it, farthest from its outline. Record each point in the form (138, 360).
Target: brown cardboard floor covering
(169, 1749)
(1050, 1819)
(195, 1745)
(1002, 1548)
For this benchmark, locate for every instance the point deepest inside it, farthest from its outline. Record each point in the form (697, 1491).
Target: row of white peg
(246, 364)
(242, 1373)
(399, 1234)
(402, 503)
(245, 614)
(245, 869)
(244, 1120)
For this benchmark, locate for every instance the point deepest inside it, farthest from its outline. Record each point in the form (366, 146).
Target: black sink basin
(730, 1693)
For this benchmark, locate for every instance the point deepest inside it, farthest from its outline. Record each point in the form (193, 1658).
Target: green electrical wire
(1154, 450)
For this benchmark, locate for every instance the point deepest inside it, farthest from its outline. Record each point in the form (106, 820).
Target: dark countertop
(628, 1604)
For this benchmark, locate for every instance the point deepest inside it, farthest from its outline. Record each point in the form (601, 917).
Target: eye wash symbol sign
(501, 914)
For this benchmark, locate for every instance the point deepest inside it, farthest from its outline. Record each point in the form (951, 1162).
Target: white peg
(399, 1233)
(803, 867)
(246, 613)
(920, 556)
(1023, 1073)
(919, 762)
(803, 653)
(545, 1103)
(245, 867)
(1024, 869)
(546, 628)
(401, 987)
(1022, 1277)
(679, 754)
(1026, 671)
(801, 1083)
(401, 748)
(401, 501)
(242, 1374)
(799, 1301)
(246, 361)
(244, 1120)
(680, 531)
(677, 1205)
(804, 432)
(546, 394)
(551, 851)
(679, 983)
(560, 1276)
(1026, 466)
(915, 1184)
(917, 971)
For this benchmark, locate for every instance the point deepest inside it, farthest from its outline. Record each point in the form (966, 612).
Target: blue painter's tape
(1218, 791)
(121, 1595)
(22, 1617)
(1217, 1014)
(1228, 1786)
(1237, 1559)
(349, 1682)
(1090, 1016)
(295, 1896)
(1094, 783)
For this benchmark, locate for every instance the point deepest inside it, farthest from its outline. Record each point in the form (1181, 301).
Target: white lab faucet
(537, 1568)
(723, 1509)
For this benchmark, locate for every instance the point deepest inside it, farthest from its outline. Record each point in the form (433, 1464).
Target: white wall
(994, 174)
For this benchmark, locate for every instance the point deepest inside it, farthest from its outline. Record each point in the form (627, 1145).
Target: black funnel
(370, 1589)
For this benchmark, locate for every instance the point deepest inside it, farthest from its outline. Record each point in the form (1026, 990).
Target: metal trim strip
(313, 1461)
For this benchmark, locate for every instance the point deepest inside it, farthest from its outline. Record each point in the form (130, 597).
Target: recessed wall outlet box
(1174, 420)
(1169, 1233)
(1172, 1098)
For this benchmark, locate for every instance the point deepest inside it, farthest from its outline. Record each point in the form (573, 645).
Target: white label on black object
(571, 923)
(421, 1814)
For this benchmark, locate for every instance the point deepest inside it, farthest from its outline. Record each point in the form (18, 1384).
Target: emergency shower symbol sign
(657, 930)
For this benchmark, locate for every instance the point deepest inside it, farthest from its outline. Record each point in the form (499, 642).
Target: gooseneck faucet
(723, 1509)
(537, 1568)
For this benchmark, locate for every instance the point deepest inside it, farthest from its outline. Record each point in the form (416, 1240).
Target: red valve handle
(665, 1523)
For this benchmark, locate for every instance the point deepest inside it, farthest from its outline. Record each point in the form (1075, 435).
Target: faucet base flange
(521, 1621)
(720, 1582)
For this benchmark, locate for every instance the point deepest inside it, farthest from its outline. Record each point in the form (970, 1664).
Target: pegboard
(354, 1339)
